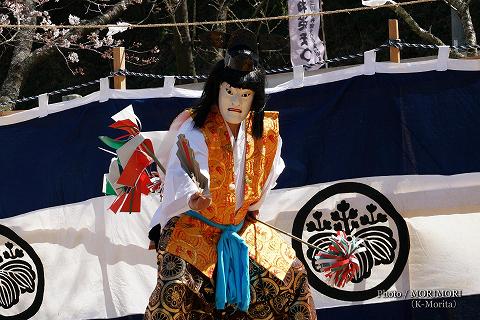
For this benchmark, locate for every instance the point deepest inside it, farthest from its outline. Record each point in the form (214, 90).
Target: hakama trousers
(184, 293)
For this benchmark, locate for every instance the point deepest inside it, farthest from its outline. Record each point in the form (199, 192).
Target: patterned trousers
(184, 293)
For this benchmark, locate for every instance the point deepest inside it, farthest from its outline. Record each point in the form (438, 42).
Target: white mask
(234, 103)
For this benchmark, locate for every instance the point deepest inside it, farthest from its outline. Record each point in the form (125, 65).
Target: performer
(214, 261)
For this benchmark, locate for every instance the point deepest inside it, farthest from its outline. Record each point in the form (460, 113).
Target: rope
(64, 90)
(217, 22)
(390, 43)
(157, 76)
(400, 45)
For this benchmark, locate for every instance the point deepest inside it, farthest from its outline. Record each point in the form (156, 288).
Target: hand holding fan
(187, 159)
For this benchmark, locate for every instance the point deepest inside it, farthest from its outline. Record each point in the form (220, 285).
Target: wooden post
(393, 34)
(119, 82)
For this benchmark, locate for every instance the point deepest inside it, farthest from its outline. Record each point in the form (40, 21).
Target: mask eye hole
(228, 91)
(246, 94)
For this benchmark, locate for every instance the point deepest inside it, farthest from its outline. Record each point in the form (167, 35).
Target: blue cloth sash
(233, 280)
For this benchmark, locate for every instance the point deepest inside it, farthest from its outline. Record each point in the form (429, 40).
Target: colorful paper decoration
(129, 174)
(339, 263)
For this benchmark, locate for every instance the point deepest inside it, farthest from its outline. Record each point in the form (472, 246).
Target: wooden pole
(290, 235)
(119, 82)
(394, 34)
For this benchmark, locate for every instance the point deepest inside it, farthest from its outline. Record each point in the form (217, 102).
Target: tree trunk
(463, 11)
(468, 29)
(183, 43)
(19, 66)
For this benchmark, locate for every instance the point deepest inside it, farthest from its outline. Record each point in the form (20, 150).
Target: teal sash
(233, 280)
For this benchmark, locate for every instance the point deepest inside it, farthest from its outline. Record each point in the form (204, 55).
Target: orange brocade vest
(196, 242)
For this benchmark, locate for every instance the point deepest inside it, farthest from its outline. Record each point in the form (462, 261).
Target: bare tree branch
(113, 13)
(182, 40)
(259, 7)
(422, 33)
(18, 68)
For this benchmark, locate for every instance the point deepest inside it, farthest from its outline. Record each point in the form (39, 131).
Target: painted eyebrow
(242, 90)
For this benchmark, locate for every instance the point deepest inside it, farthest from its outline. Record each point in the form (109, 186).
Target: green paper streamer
(109, 190)
(112, 143)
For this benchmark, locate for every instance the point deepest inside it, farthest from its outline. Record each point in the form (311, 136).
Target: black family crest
(376, 222)
(21, 277)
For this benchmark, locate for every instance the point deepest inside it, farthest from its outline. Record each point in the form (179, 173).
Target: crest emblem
(361, 212)
(21, 277)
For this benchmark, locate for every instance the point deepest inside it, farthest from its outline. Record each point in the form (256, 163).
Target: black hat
(242, 51)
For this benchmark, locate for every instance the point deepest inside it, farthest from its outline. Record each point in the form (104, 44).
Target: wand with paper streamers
(339, 263)
(128, 177)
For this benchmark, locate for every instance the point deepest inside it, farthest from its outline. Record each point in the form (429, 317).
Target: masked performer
(213, 261)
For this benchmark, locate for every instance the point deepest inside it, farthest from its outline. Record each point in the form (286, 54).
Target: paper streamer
(339, 263)
(129, 174)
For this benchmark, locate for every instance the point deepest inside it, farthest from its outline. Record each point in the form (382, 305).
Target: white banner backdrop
(442, 214)
(97, 264)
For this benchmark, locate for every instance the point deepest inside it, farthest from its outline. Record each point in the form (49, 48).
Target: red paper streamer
(135, 176)
(339, 263)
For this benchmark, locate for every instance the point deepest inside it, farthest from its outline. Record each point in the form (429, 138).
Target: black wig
(253, 80)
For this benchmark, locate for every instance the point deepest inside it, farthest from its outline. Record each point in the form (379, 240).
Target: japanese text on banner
(306, 48)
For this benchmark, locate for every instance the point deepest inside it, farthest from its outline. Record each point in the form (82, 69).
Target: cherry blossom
(73, 57)
(73, 20)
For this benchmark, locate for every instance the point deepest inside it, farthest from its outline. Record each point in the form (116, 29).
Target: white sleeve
(275, 171)
(178, 186)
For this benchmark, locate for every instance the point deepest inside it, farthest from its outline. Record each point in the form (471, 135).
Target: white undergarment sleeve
(178, 186)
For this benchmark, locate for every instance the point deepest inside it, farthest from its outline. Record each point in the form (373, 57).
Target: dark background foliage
(344, 34)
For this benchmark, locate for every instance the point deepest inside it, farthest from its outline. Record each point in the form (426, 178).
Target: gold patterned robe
(195, 241)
